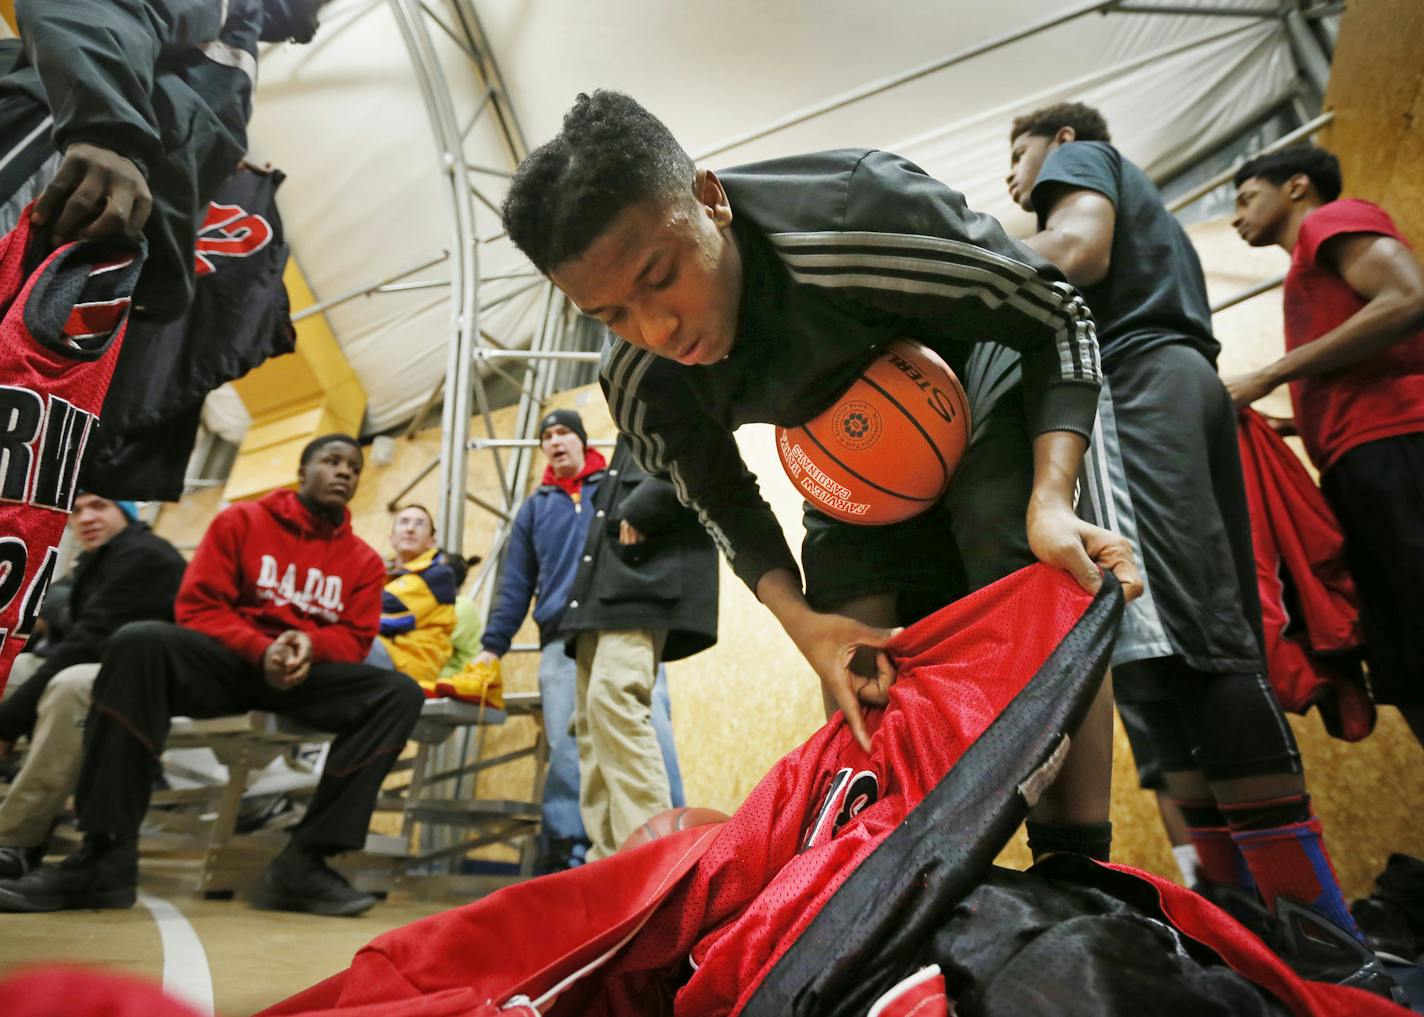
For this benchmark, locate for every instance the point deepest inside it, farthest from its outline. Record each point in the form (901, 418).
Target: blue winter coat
(539, 563)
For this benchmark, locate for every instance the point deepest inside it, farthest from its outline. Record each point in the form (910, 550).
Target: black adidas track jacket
(843, 252)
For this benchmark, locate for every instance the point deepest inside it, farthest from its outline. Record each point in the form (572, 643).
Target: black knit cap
(569, 418)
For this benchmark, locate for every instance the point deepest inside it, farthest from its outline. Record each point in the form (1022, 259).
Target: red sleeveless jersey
(64, 316)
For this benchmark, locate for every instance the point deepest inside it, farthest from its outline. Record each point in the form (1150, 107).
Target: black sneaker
(1243, 905)
(16, 862)
(103, 873)
(298, 880)
(1319, 950)
(1386, 929)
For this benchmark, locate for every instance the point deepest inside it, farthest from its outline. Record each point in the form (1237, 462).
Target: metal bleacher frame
(245, 743)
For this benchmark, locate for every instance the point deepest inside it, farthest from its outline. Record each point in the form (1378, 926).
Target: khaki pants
(623, 781)
(52, 766)
(24, 666)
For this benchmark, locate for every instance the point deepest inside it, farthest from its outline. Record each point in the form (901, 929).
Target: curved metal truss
(475, 356)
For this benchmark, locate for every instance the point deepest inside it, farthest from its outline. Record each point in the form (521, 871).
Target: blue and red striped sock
(1282, 843)
(1218, 858)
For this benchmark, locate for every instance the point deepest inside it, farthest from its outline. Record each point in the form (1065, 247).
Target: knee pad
(1154, 726)
(1236, 727)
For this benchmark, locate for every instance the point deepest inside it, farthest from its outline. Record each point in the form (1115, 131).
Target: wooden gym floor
(221, 956)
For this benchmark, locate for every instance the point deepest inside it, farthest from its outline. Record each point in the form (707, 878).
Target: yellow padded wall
(1377, 93)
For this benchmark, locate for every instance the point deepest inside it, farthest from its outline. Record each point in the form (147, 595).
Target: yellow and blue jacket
(418, 614)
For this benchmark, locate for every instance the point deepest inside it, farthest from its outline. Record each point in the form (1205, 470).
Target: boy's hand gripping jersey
(828, 881)
(62, 326)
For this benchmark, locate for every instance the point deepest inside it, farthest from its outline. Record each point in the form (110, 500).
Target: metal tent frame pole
(1207, 186)
(876, 87)
(1283, 10)
(464, 269)
(1247, 294)
(464, 384)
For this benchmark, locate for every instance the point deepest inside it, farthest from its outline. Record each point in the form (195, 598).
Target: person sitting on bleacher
(276, 612)
(125, 573)
(418, 604)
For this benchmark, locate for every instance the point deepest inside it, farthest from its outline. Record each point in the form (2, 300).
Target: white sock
(1186, 855)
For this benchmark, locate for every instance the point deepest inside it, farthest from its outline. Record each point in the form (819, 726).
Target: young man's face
(328, 479)
(1026, 157)
(1262, 211)
(411, 533)
(666, 276)
(95, 521)
(564, 448)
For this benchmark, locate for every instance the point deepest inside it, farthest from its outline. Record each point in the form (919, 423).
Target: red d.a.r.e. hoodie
(271, 565)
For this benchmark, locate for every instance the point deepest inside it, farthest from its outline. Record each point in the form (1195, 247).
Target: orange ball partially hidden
(886, 449)
(672, 821)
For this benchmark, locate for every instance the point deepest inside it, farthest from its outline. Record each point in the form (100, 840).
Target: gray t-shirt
(1154, 292)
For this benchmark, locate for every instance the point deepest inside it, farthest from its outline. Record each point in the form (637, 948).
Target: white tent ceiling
(344, 118)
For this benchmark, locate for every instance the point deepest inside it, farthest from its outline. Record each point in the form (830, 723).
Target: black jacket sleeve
(653, 509)
(96, 60)
(139, 584)
(672, 438)
(913, 247)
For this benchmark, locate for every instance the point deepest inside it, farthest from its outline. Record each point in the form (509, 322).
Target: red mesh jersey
(1310, 610)
(63, 323)
(825, 807)
(614, 937)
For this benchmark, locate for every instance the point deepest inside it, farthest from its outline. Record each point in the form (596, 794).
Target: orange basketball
(672, 821)
(886, 449)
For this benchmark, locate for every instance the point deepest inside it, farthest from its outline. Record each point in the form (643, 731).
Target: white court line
(185, 964)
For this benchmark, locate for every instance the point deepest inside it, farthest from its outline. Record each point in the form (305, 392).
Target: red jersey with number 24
(63, 315)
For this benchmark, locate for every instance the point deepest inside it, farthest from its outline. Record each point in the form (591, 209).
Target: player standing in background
(1354, 335)
(1190, 658)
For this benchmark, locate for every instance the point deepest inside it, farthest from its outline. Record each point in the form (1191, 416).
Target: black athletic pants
(1376, 490)
(154, 671)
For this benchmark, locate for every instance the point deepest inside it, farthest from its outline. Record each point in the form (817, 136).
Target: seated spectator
(277, 612)
(125, 573)
(418, 605)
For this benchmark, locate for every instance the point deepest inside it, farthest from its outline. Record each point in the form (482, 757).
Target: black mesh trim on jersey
(72, 277)
(885, 913)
